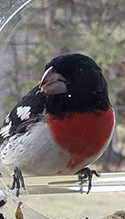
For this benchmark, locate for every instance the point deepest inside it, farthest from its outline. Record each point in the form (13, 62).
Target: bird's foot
(84, 174)
(17, 180)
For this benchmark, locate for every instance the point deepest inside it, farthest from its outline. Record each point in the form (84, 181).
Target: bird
(63, 124)
(18, 213)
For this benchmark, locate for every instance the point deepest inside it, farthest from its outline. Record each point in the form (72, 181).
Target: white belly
(36, 153)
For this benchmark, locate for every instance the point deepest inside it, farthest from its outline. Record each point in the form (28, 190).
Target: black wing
(28, 111)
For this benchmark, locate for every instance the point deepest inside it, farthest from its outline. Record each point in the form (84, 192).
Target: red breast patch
(82, 134)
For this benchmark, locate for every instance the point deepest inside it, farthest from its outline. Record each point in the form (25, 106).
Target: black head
(86, 88)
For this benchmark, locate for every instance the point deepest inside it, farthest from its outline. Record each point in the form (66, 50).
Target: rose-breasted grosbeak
(64, 123)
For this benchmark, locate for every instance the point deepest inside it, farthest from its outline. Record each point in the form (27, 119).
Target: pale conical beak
(53, 82)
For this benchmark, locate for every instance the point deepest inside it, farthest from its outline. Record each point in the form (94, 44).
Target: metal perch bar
(108, 182)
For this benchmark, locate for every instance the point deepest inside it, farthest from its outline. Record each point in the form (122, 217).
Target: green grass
(76, 205)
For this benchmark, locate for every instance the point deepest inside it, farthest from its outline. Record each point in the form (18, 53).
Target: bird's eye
(80, 69)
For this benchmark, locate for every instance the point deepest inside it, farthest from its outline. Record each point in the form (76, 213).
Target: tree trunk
(49, 7)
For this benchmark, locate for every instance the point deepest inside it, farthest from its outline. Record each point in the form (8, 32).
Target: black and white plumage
(16, 129)
(26, 112)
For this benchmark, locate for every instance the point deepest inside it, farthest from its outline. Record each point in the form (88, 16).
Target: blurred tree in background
(49, 28)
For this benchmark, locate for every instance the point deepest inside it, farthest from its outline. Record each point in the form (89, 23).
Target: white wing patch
(5, 130)
(23, 112)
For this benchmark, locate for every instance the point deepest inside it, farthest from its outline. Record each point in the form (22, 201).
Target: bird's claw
(17, 179)
(84, 174)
